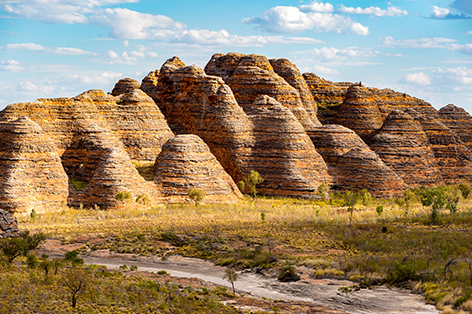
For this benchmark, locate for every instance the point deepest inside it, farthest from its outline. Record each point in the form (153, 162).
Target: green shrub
(402, 273)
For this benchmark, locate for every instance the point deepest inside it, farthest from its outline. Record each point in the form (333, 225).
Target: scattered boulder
(8, 225)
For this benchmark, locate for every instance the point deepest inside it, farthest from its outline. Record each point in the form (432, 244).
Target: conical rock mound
(186, 162)
(31, 170)
(403, 146)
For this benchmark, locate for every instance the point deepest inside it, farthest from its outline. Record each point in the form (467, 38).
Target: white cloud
(128, 24)
(469, 33)
(284, 19)
(466, 49)
(326, 54)
(71, 51)
(416, 43)
(439, 13)
(321, 70)
(316, 6)
(453, 76)
(222, 37)
(416, 78)
(27, 46)
(27, 87)
(373, 11)
(11, 66)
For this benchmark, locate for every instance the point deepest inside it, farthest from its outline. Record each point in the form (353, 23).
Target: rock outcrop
(8, 225)
(360, 112)
(251, 76)
(459, 121)
(404, 147)
(283, 153)
(453, 157)
(325, 91)
(352, 164)
(363, 169)
(133, 118)
(242, 141)
(124, 86)
(186, 162)
(32, 176)
(290, 73)
(109, 170)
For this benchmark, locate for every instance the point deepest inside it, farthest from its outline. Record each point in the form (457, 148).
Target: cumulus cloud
(222, 37)
(316, 6)
(326, 54)
(465, 49)
(462, 5)
(27, 87)
(439, 13)
(416, 43)
(416, 78)
(285, 19)
(124, 23)
(373, 11)
(11, 66)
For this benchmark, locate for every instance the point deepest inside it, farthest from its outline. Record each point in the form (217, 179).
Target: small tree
(231, 276)
(251, 182)
(322, 191)
(350, 200)
(123, 197)
(434, 198)
(76, 281)
(144, 200)
(196, 195)
(14, 247)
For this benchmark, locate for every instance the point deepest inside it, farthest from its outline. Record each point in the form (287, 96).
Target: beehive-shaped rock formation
(108, 170)
(459, 121)
(32, 176)
(242, 141)
(283, 153)
(186, 162)
(363, 169)
(332, 141)
(133, 118)
(403, 146)
(360, 112)
(254, 76)
(453, 157)
(125, 86)
(290, 73)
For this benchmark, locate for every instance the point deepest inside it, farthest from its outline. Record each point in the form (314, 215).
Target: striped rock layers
(186, 162)
(242, 140)
(402, 144)
(32, 176)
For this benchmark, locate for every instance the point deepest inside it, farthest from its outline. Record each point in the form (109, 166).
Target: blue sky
(60, 48)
